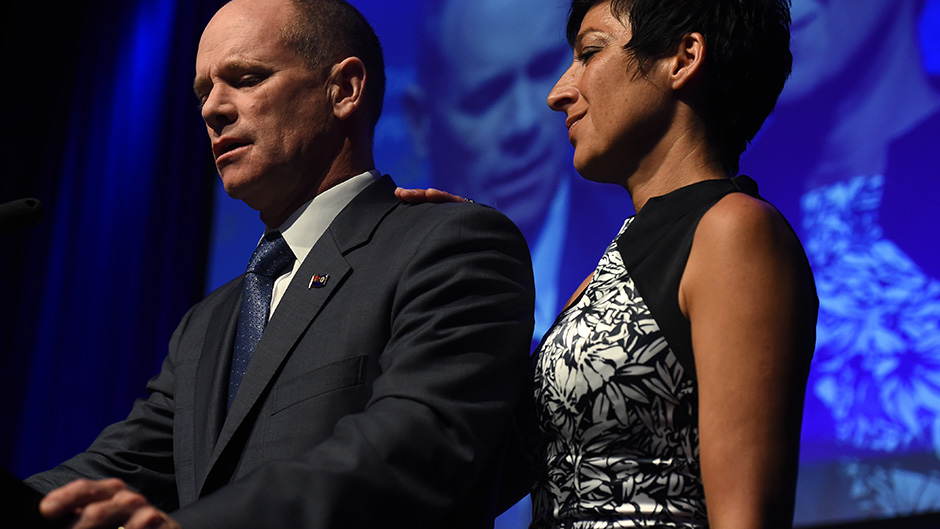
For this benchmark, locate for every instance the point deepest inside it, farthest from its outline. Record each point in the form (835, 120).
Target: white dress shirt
(304, 227)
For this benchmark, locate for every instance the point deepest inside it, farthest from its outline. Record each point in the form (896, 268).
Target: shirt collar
(304, 227)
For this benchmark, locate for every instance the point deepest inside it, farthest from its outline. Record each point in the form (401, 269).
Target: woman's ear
(346, 85)
(688, 61)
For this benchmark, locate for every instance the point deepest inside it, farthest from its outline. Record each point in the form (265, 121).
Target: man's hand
(106, 504)
(436, 196)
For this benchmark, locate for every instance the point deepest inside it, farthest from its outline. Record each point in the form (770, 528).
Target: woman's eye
(585, 54)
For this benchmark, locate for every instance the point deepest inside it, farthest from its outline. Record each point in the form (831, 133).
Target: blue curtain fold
(125, 174)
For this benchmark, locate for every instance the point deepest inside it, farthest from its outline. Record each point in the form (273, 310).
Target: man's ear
(414, 108)
(346, 85)
(688, 63)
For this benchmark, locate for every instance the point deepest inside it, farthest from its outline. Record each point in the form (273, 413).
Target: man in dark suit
(395, 336)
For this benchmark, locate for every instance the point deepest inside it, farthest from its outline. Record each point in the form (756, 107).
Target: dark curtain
(101, 125)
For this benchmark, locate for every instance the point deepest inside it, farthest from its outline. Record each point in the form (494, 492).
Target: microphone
(21, 213)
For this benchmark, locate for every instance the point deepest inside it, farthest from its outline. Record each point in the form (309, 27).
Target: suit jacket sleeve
(452, 372)
(138, 450)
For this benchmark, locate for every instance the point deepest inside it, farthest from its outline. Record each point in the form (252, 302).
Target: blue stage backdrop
(850, 156)
(102, 127)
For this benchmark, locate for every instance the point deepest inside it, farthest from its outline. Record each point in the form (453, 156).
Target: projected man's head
(479, 113)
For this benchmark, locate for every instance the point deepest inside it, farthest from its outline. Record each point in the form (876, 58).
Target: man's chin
(240, 190)
(533, 181)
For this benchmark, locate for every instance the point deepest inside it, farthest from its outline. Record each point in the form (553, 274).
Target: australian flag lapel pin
(318, 281)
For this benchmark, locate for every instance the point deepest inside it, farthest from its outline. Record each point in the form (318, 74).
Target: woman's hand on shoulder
(420, 196)
(749, 296)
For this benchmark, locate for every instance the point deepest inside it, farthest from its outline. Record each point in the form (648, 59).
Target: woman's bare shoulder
(744, 245)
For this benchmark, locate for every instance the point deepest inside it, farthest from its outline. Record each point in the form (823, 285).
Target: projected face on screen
(855, 138)
(480, 118)
(488, 130)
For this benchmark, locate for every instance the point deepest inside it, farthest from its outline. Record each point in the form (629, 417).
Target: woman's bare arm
(751, 302)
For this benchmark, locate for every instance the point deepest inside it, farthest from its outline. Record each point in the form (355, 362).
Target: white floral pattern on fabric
(617, 414)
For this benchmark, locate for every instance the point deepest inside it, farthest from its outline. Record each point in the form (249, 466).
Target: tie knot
(271, 257)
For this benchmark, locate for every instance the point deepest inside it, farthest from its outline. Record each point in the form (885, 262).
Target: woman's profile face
(615, 115)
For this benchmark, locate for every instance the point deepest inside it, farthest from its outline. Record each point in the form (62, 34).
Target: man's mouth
(232, 146)
(223, 147)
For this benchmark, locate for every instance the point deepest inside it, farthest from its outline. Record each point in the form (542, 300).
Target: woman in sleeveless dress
(669, 392)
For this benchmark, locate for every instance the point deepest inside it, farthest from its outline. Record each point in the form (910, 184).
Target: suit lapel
(211, 382)
(301, 303)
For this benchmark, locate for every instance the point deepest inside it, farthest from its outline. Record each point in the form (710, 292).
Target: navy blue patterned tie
(270, 260)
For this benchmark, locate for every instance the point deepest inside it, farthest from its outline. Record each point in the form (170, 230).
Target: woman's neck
(682, 158)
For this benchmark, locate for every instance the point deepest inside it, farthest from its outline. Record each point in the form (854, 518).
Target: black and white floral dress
(615, 392)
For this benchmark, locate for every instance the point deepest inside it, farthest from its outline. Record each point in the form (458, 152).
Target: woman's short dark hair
(327, 31)
(747, 56)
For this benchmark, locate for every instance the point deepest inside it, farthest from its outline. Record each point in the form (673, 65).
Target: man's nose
(218, 110)
(525, 115)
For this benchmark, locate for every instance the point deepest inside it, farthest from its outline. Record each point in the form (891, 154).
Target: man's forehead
(257, 9)
(244, 23)
(482, 40)
(491, 32)
(239, 34)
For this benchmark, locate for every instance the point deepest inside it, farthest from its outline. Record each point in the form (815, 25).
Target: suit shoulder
(451, 209)
(458, 214)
